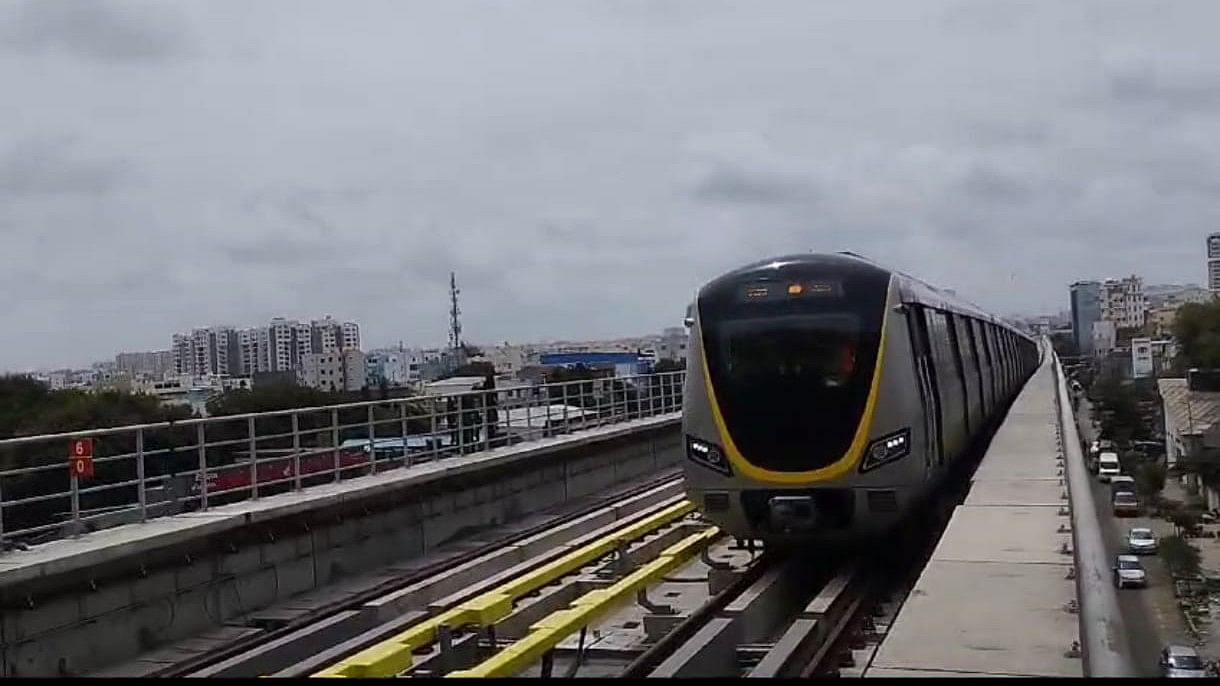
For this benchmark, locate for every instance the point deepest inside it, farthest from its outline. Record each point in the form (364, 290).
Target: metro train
(827, 396)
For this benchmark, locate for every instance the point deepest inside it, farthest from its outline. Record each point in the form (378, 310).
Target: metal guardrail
(151, 470)
(1103, 635)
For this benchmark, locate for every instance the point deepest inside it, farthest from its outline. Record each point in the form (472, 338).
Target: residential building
(1213, 262)
(1192, 427)
(324, 371)
(1105, 337)
(1086, 311)
(156, 363)
(205, 351)
(335, 371)
(1122, 302)
(1150, 357)
(394, 367)
(355, 372)
(672, 345)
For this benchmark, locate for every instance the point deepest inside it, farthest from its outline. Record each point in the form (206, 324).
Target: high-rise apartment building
(205, 351)
(1086, 311)
(278, 347)
(1213, 262)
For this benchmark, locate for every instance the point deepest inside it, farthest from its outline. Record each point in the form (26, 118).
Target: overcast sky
(582, 166)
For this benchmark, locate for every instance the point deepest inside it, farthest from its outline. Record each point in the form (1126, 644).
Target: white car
(1179, 661)
(1141, 541)
(1129, 572)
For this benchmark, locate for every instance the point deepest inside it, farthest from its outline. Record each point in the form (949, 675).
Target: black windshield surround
(792, 374)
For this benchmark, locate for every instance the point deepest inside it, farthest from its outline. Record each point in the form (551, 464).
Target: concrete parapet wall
(79, 606)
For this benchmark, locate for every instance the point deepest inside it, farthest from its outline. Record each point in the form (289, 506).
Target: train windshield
(792, 376)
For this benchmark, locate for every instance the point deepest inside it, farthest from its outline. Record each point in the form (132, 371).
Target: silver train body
(826, 396)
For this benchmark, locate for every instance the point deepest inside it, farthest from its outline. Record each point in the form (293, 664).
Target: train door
(928, 396)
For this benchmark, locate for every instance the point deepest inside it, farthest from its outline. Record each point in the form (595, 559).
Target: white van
(1108, 466)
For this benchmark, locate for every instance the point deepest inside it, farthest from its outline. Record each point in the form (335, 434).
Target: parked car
(1108, 466)
(1129, 572)
(1126, 504)
(1141, 541)
(1122, 484)
(1179, 661)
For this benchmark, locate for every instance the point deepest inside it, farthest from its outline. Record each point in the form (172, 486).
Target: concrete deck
(993, 599)
(69, 555)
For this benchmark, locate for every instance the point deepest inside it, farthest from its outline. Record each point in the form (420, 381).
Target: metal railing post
(567, 427)
(253, 458)
(141, 486)
(485, 413)
(76, 524)
(433, 439)
(372, 441)
(334, 438)
(1, 514)
(402, 418)
(296, 451)
(529, 424)
(203, 466)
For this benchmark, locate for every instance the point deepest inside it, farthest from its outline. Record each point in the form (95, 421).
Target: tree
(1150, 479)
(1064, 345)
(1197, 330)
(1180, 556)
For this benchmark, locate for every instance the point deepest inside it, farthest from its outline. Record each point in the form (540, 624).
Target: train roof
(912, 289)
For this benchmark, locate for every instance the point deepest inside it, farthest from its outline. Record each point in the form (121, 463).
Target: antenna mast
(455, 324)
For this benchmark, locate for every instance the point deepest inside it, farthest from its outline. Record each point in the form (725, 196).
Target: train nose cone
(792, 513)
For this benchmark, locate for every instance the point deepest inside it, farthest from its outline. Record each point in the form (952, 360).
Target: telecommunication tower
(455, 324)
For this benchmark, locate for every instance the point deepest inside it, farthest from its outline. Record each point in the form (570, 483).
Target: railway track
(651, 591)
(360, 613)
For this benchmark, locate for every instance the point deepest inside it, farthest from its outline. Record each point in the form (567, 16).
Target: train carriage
(827, 395)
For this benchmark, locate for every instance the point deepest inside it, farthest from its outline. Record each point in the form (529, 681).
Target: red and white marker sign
(80, 457)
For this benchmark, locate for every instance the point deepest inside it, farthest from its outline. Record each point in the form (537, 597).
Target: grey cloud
(96, 29)
(988, 184)
(735, 185)
(583, 168)
(57, 166)
(1184, 89)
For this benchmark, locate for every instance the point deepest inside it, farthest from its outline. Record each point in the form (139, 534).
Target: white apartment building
(278, 347)
(672, 345)
(323, 371)
(333, 371)
(1123, 302)
(204, 351)
(1213, 262)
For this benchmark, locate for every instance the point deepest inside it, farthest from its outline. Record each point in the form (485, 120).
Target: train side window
(971, 328)
(928, 383)
(955, 351)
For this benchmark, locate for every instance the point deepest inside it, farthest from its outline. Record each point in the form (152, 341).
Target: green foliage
(1185, 519)
(1064, 345)
(1180, 556)
(1150, 479)
(1124, 412)
(1197, 330)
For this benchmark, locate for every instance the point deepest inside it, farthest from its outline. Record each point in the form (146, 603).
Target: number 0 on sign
(80, 458)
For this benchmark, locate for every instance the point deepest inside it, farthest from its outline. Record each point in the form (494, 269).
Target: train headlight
(707, 454)
(887, 449)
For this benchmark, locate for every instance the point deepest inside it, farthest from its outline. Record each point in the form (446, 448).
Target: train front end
(782, 390)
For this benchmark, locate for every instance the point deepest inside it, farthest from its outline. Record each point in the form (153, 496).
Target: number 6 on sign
(80, 458)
